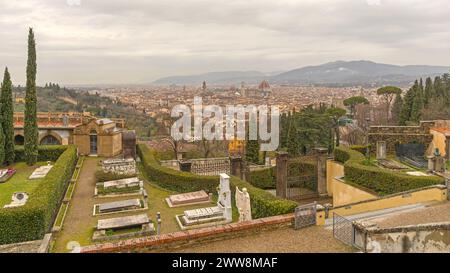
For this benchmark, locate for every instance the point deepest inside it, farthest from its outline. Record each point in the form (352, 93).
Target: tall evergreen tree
(405, 114)
(30, 127)
(417, 104)
(293, 145)
(428, 92)
(7, 113)
(2, 139)
(397, 108)
(252, 151)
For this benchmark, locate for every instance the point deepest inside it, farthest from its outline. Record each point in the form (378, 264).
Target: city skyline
(110, 42)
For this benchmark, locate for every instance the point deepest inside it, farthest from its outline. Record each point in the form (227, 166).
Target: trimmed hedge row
(382, 181)
(34, 219)
(264, 178)
(45, 152)
(263, 203)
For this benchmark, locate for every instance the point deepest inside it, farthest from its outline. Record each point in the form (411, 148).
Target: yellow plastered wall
(438, 142)
(320, 218)
(423, 196)
(344, 194)
(334, 169)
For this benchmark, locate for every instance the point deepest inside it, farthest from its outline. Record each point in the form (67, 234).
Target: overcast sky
(138, 41)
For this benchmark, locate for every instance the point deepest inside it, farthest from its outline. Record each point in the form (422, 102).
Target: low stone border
(195, 236)
(68, 195)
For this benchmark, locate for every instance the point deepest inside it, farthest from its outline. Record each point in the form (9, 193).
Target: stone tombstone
(237, 166)
(224, 197)
(185, 165)
(243, 205)
(381, 149)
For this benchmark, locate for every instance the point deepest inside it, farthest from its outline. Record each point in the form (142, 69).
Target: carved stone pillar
(322, 155)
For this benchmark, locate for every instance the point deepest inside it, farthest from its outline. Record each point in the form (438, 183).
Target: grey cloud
(140, 40)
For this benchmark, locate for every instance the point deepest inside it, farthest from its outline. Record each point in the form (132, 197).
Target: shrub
(263, 178)
(359, 148)
(382, 181)
(263, 203)
(45, 152)
(35, 218)
(102, 176)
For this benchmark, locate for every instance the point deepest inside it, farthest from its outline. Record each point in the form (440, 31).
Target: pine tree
(7, 113)
(30, 127)
(397, 108)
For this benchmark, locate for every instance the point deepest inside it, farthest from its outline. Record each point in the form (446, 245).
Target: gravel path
(284, 240)
(434, 213)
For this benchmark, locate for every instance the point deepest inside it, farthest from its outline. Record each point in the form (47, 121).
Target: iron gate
(343, 230)
(305, 215)
(301, 178)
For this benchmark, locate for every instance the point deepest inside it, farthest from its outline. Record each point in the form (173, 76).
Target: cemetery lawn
(19, 182)
(79, 223)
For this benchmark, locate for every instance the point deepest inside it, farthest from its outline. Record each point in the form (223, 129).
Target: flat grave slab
(5, 175)
(122, 183)
(40, 172)
(186, 199)
(123, 222)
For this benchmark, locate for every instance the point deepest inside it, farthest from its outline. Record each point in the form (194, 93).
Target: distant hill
(357, 72)
(339, 73)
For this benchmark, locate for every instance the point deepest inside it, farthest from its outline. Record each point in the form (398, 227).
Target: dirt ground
(285, 240)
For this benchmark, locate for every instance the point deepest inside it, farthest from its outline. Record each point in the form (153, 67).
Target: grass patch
(61, 214)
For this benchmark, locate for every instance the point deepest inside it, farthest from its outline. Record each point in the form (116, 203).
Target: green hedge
(264, 178)
(382, 181)
(35, 218)
(359, 148)
(263, 203)
(45, 152)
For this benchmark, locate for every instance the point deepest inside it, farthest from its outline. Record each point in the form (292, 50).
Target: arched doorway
(93, 142)
(50, 140)
(19, 140)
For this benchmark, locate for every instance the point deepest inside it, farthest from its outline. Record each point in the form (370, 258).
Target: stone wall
(426, 238)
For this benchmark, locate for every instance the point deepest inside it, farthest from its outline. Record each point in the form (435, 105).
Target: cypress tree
(252, 151)
(417, 104)
(2, 139)
(293, 145)
(30, 127)
(7, 112)
(397, 108)
(428, 93)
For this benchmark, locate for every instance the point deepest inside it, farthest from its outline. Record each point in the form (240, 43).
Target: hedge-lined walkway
(286, 240)
(79, 222)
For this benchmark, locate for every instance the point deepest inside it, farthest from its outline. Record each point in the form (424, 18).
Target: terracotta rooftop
(57, 124)
(444, 130)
